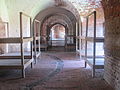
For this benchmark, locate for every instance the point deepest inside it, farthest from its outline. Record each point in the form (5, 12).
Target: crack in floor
(59, 67)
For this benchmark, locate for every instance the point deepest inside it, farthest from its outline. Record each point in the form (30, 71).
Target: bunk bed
(69, 42)
(36, 39)
(44, 46)
(18, 60)
(91, 58)
(78, 38)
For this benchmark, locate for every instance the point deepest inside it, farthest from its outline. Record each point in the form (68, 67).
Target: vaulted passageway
(62, 68)
(61, 15)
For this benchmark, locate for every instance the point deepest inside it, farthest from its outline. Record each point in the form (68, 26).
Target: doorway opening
(57, 35)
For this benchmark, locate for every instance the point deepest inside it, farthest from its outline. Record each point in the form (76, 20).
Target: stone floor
(54, 71)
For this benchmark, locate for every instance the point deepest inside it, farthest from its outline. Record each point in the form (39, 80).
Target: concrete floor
(54, 71)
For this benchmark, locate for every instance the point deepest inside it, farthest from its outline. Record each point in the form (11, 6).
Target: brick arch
(60, 16)
(56, 10)
(56, 24)
(62, 24)
(55, 18)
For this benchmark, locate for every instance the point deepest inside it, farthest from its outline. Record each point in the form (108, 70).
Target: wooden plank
(70, 36)
(37, 21)
(99, 61)
(99, 39)
(37, 38)
(90, 14)
(15, 57)
(38, 54)
(99, 64)
(14, 63)
(10, 40)
(89, 56)
(78, 37)
(91, 39)
(25, 14)
(11, 67)
(28, 63)
(15, 54)
(15, 40)
(27, 39)
(82, 37)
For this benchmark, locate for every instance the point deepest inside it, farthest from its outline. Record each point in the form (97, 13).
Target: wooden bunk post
(94, 46)
(34, 41)
(66, 29)
(86, 42)
(78, 39)
(31, 43)
(39, 51)
(76, 35)
(40, 38)
(22, 49)
(80, 34)
(34, 35)
(36, 32)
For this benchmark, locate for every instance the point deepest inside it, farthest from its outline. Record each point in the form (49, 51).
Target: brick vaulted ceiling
(83, 6)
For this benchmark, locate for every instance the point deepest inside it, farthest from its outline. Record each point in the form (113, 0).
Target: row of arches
(57, 17)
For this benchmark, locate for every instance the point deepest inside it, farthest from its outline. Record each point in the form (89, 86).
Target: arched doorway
(50, 17)
(57, 35)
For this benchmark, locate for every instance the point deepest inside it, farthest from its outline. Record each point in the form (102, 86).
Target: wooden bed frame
(96, 62)
(44, 45)
(18, 61)
(78, 29)
(36, 35)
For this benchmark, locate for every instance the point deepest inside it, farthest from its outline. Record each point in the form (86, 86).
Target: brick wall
(112, 42)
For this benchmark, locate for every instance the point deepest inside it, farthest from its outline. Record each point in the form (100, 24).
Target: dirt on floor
(54, 71)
